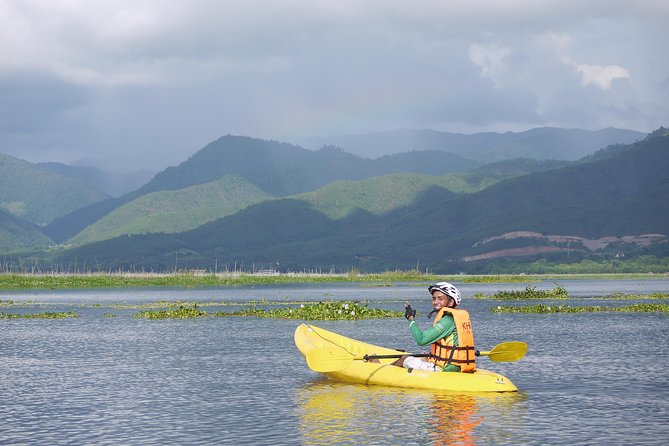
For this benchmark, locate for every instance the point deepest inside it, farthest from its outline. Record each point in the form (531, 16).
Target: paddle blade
(325, 360)
(507, 352)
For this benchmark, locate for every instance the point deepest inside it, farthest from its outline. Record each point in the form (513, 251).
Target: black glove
(408, 311)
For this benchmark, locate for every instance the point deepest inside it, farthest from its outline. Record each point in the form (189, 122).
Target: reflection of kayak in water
(331, 412)
(309, 337)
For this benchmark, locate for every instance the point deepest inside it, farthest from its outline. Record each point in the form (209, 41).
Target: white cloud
(600, 76)
(490, 58)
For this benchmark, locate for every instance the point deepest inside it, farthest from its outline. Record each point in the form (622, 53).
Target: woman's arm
(439, 330)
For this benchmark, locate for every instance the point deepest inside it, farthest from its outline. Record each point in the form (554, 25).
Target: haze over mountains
(539, 143)
(249, 201)
(112, 183)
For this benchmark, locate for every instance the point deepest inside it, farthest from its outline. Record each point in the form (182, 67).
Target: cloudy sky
(99, 78)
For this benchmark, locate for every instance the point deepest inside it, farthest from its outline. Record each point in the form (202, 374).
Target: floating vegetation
(321, 311)
(559, 292)
(623, 296)
(46, 315)
(328, 311)
(549, 309)
(173, 312)
(166, 303)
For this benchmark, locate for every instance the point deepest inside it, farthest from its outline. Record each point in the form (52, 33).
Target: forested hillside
(175, 211)
(619, 196)
(38, 195)
(282, 169)
(18, 235)
(279, 169)
(185, 209)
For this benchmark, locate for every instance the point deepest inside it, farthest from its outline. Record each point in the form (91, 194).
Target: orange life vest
(464, 355)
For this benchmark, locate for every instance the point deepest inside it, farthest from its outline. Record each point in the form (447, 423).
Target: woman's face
(439, 300)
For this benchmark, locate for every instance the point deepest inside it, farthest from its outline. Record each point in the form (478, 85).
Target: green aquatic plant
(622, 296)
(559, 292)
(549, 309)
(45, 315)
(321, 311)
(173, 312)
(331, 310)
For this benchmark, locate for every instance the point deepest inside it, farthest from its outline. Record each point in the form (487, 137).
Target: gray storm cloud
(90, 79)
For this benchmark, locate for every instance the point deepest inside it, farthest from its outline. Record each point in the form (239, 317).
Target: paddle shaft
(415, 355)
(418, 355)
(330, 360)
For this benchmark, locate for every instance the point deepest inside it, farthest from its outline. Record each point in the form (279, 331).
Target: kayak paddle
(325, 359)
(506, 352)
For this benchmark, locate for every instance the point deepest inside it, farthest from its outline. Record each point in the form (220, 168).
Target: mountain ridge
(279, 169)
(539, 143)
(619, 196)
(284, 170)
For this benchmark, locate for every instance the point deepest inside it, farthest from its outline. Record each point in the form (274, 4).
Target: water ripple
(587, 378)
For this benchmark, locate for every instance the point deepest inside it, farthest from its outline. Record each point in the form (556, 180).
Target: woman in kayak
(451, 336)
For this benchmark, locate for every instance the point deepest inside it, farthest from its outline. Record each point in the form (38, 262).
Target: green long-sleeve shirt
(443, 328)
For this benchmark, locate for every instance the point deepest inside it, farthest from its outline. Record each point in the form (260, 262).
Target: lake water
(586, 379)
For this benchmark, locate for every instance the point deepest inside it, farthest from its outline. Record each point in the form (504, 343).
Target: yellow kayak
(346, 356)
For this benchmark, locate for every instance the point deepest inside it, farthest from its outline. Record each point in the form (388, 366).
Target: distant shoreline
(22, 281)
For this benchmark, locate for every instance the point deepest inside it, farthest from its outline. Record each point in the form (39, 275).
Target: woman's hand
(409, 312)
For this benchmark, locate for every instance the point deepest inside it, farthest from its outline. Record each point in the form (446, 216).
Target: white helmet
(447, 289)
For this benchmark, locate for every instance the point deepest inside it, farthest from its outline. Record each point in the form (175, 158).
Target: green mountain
(616, 149)
(185, 209)
(380, 195)
(282, 169)
(279, 169)
(20, 235)
(175, 211)
(38, 195)
(618, 197)
(538, 143)
(377, 195)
